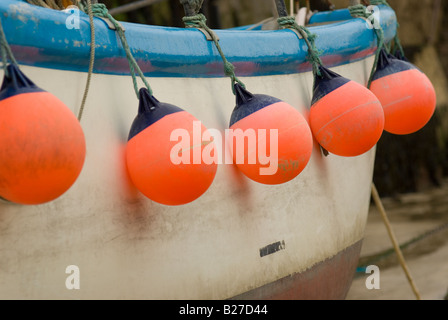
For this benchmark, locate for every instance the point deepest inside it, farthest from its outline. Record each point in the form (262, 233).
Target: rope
(397, 41)
(199, 21)
(92, 59)
(380, 206)
(313, 53)
(6, 52)
(360, 11)
(100, 10)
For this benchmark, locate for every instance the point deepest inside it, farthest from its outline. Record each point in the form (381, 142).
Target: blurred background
(405, 164)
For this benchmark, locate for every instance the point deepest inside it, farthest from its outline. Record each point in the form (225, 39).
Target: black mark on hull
(272, 248)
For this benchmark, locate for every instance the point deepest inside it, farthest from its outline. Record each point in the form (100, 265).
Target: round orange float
(42, 145)
(164, 169)
(271, 140)
(406, 94)
(345, 117)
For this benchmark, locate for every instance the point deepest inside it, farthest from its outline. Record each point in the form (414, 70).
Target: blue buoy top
(15, 82)
(326, 83)
(248, 103)
(389, 64)
(150, 110)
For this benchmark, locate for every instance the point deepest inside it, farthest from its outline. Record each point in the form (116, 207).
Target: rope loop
(313, 53)
(196, 21)
(200, 21)
(100, 10)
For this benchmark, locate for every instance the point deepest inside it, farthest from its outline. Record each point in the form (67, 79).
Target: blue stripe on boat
(39, 37)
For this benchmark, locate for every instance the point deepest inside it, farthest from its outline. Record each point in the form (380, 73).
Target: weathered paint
(180, 52)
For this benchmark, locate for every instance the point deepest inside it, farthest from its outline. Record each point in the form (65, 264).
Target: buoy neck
(242, 95)
(15, 82)
(384, 59)
(325, 83)
(147, 101)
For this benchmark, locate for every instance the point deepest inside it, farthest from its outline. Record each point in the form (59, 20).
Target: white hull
(128, 247)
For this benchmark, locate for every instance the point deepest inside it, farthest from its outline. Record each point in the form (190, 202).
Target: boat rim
(183, 52)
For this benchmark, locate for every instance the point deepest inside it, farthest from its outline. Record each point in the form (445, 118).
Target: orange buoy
(345, 117)
(271, 140)
(42, 144)
(165, 153)
(406, 94)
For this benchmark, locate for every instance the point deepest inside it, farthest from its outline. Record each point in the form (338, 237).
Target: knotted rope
(313, 52)
(100, 10)
(199, 21)
(360, 11)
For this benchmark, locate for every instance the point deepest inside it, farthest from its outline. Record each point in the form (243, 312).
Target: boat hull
(103, 239)
(241, 239)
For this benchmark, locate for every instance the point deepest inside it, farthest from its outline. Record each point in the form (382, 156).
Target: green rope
(360, 11)
(199, 21)
(100, 10)
(313, 53)
(397, 42)
(6, 52)
(92, 59)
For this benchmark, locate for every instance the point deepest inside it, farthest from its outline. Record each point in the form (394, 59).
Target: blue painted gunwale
(316, 18)
(39, 37)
